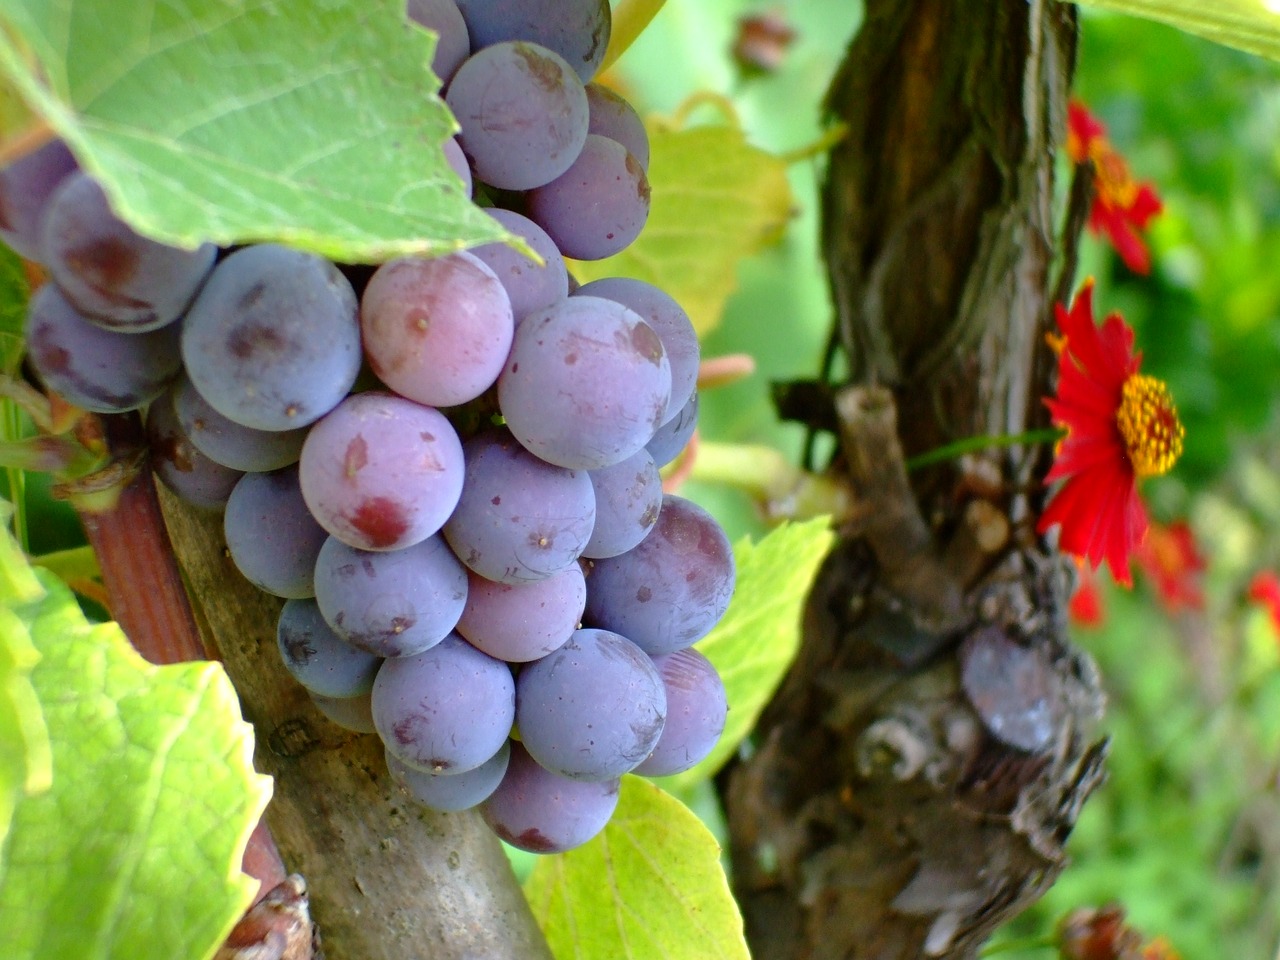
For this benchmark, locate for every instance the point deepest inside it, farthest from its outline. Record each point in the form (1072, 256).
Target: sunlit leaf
(1252, 25)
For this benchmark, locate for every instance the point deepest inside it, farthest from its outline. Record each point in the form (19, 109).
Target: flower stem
(985, 442)
(1008, 946)
(782, 490)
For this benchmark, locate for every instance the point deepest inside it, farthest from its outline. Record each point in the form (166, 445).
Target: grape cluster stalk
(448, 468)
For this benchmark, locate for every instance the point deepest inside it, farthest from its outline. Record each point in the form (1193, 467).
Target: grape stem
(780, 489)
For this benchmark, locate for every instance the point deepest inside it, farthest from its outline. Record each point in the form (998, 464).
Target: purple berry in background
(518, 622)
(453, 44)
(530, 287)
(669, 321)
(586, 384)
(381, 472)
(593, 710)
(628, 500)
(519, 519)
(392, 603)
(578, 30)
(444, 711)
(229, 443)
(610, 115)
(25, 188)
(596, 207)
(193, 477)
(101, 370)
(668, 592)
(436, 331)
(271, 536)
(114, 276)
(542, 812)
(674, 435)
(523, 114)
(350, 713)
(318, 658)
(458, 163)
(446, 793)
(696, 711)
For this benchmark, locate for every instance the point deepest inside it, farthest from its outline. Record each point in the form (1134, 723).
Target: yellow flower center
(1114, 182)
(1150, 426)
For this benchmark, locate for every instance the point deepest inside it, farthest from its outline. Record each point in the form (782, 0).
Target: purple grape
(668, 592)
(381, 472)
(672, 325)
(318, 658)
(519, 519)
(272, 341)
(105, 371)
(25, 188)
(193, 477)
(523, 114)
(453, 44)
(393, 603)
(436, 331)
(696, 710)
(674, 435)
(610, 115)
(592, 710)
(446, 710)
(446, 793)
(596, 207)
(271, 535)
(525, 621)
(628, 499)
(458, 163)
(577, 30)
(229, 443)
(351, 713)
(530, 287)
(115, 277)
(542, 812)
(586, 384)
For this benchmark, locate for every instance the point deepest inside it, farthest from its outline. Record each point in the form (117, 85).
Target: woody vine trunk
(916, 776)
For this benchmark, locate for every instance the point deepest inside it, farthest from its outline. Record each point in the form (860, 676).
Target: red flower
(1086, 606)
(1121, 426)
(1121, 206)
(1265, 591)
(1170, 558)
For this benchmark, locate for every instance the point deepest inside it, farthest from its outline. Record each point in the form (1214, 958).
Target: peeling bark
(926, 757)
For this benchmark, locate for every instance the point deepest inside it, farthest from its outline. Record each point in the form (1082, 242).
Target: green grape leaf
(312, 124)
(135, 849)
(649, 885)
(1252, 25)
(754, 643)
(26, 765)
(14, 291)
(715, 200)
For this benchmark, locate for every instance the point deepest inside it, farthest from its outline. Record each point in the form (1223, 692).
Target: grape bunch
(448, 468)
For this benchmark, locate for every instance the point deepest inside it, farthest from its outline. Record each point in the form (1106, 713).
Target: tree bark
(925, 759)
(387, 879)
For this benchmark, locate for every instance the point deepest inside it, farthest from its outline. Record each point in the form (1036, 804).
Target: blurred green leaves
(1252, 25)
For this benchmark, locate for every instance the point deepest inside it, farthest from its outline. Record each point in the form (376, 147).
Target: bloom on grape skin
(1121, 206)
(1121, 427)
(1169, 556)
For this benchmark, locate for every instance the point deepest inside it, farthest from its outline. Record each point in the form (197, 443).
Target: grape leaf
(314, 124)
(1252, 25)
(649, 885)
(754, 643)
(715, 201)
(135, 849)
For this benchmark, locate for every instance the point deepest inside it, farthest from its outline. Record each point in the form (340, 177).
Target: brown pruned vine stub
(925, 759)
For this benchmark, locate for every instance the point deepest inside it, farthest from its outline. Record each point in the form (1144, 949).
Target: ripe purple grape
(271, 535)
(577, 30)
(668, 592)
(628, 500)
(525, 621)
(381, 472)
(519, 519)
(610, 115)
(25, 188)
(229, 443)
(523, 114)
(598, 206)
(114, 276)
(593, 709)
(448, 793)
(318, 658)
(453, 43)
(674, 435)
(272, 341)
(586, 384)
(539, 811)
(530, 287)
(436, 331)
(696, 711)
(446, 710)
(393, 603)
(458, 164)
(193, 477)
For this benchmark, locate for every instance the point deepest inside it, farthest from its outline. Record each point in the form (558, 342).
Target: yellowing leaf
(134, 851)
(754, 643)
(715, 201)
(1252, 25)
(649, 886)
